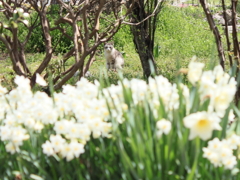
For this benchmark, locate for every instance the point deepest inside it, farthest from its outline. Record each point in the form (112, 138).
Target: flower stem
(191, 174)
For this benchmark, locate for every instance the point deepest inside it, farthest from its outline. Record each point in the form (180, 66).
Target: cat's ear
(110, 43)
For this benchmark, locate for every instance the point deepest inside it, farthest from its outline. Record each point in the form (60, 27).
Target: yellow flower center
(164, 126)
(203, 123)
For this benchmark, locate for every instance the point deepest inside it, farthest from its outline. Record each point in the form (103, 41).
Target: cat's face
(108, 47)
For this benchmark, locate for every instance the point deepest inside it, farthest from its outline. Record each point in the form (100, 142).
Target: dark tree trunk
(143, 33)
(144, 49)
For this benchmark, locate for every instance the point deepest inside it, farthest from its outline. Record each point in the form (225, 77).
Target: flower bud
(25, 22)
(20, 10)
(25, 15)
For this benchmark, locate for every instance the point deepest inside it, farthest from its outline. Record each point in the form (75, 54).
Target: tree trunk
(144, 35)
(143, 47)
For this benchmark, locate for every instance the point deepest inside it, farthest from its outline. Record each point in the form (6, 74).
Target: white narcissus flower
(161, 87)
(62, 127)
(214, 159)
(29, 122)
(214, 144)
(5, 133)
(40, 80)
(207, 152)
(10, 147)
(164, 126)
(77, 148)
(57, 142)
(19, 135)
(22, 82)
(195, 71)
(229, 162)
(201, 124)
(221, 100)
(225, 153)
(38, 126)
(139, 89)
(207, 85)
(218, 72)
(106, 129)
(3, 90)
(48, 148)
(233, 141)
(68, 152)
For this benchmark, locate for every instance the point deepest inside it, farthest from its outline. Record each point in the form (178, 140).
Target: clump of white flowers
(115, 101)
(220, 153)
(140, 91)
(161, 87)
(217, 87)
(76, 114)
(59, 145)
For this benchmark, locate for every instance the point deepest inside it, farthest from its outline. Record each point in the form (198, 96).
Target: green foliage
(184, 33)
(60, 42)
(181, 34)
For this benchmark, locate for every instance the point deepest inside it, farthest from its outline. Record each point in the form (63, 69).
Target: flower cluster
(57, 144)
(158, 87)
(220, 153)
(115, 100)
(217, 87)
(75, 114)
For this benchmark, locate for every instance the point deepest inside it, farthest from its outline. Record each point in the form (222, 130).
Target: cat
(114, 59)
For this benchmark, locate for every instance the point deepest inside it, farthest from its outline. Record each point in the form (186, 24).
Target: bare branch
(216, 33)
(151, 15)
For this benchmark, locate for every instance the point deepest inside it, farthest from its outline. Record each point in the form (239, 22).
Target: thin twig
(151, 15)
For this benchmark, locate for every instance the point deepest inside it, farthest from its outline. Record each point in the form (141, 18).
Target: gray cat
(114, 59)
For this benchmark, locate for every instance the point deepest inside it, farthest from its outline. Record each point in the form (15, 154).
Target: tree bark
(143, 20)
